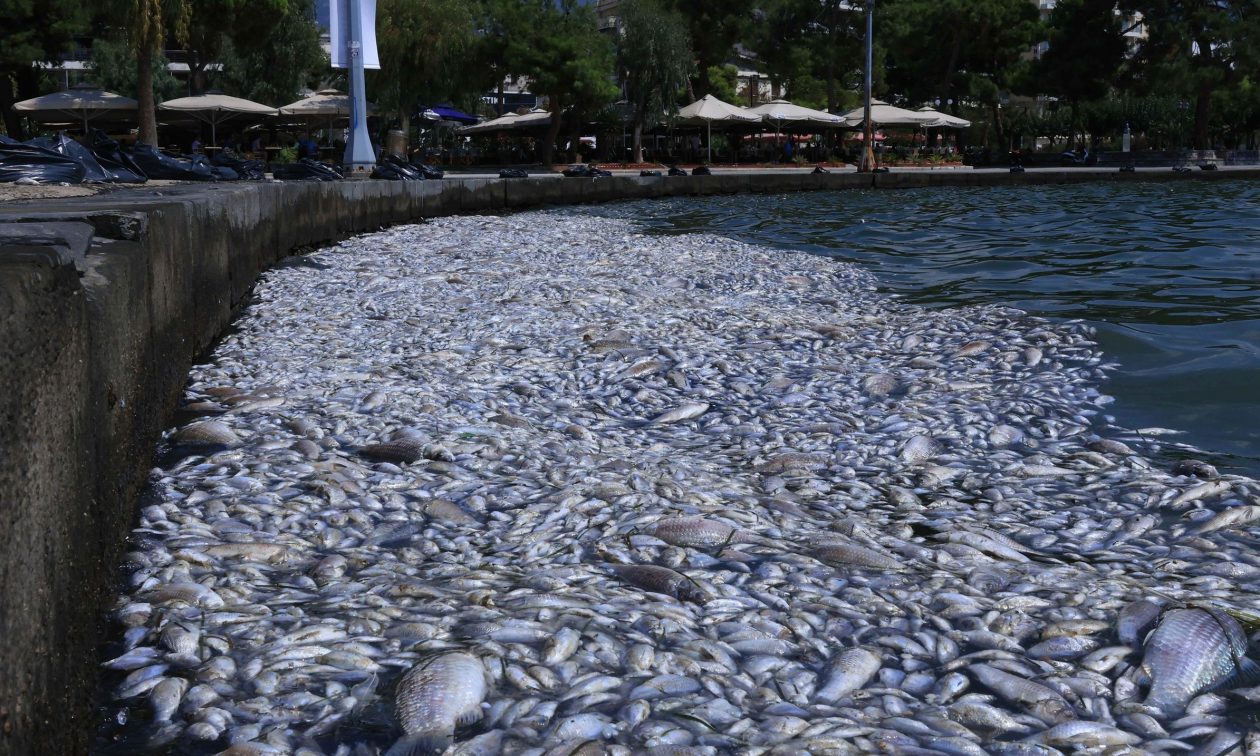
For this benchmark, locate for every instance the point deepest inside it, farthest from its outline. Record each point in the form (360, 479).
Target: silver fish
(1192, 650)
(434, 697)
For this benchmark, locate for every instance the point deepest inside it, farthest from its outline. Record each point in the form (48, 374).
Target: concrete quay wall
(105, 301)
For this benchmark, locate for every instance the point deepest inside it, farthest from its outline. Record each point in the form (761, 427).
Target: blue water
(1169, 273)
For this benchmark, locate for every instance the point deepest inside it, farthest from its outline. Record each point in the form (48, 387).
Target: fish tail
(421, 744)
(1170, 705)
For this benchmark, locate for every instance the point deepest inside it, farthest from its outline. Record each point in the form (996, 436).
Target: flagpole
(358, 158)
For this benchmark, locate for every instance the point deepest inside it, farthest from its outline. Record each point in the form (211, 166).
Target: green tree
(976, 49)
(559, 49)
(1086, 47)
(722, 82)
(114, 69)
(148, 22)
(423, 46)
(1198, 49)
(32, 31)
(654, 56)
(275, 73)
(248, 24)
(714, 27)
(813, 48)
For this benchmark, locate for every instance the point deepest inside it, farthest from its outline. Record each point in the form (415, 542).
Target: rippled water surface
(1169, 273)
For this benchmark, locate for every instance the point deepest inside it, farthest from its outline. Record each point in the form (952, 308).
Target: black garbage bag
(245, 170)
(27, 161)
(585, 171)
(701, 170)
(513, 173)
(223, 173)
(395, 168)
(116, 162)
(394, 171)
(819, 169)
(426, 170)
(676, 171)
(61, 144)
(158, 165)
(306, 169)
(649, 173)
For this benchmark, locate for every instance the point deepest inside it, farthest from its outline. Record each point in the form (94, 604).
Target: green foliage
(813, 48)
(1086, 50)
(245, 24)
(286, 155)
(722, 81)
(423, 46)
(114, 69)
(557, 45)
(275, 73)
(714, 27)
(654, 57)
(944, 48)
(31, 31)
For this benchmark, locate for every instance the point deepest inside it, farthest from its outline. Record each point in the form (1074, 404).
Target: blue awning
(446, 113)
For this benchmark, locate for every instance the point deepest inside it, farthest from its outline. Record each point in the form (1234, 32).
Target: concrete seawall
(104, 303)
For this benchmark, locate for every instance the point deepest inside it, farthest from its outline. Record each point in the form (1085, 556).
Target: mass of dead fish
(544, 484)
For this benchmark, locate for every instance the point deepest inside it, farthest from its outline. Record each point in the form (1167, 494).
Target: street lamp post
(868, 130)
(358, 159)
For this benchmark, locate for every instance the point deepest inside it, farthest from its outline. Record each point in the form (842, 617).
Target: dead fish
(853, 555)
(1135, 620)
(511, 421)
(402, 450)
(1040, 701)
(880, 384)
(1230, 518)
(849, 671)
(972, 348)
(661, 580)
(685, 411)
(697, 532)
(920, 448)
(1192, 650)
(1195, 468)
(206, 433)
(645, 367)
(434, 697)
(448, 512)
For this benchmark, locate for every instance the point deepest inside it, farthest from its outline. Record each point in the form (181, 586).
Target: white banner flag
(339, 32)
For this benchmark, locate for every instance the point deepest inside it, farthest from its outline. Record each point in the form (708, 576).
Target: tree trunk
(575, 138)
(144, 95)
(638, 136)
(1202, 113)
(12, 119)
(547, 149)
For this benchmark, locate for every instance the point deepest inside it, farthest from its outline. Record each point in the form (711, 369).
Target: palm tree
(150, 22)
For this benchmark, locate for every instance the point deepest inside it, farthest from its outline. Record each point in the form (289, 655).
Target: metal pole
(358, 159)
(868, 129)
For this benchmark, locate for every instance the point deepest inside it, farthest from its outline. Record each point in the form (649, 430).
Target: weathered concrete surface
(104, 303)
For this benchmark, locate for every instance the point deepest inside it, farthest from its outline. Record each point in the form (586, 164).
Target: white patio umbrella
(708, 109)
(214, 108)
(780, 112)
(943, 119)
(883, 114)
(509, 122)
(82, 102)
(326, 103)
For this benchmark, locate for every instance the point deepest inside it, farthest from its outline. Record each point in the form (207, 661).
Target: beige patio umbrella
(943, 119)
(780, 112)
(509, 122)
(708, 109)
(82, 102)
(326, 103)
(214, 108)
(883, 114)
